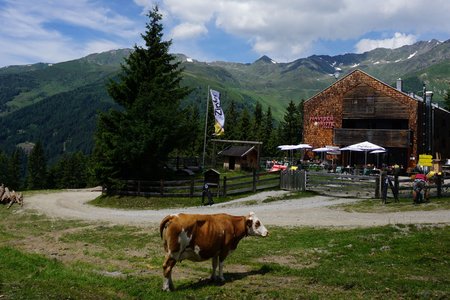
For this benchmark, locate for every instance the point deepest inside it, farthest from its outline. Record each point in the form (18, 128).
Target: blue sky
(52, 31)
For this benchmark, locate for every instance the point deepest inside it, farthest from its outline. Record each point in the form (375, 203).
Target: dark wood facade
(360, 108)
(240, 158)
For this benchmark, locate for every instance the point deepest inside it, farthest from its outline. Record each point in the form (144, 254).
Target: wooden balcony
(395, 138)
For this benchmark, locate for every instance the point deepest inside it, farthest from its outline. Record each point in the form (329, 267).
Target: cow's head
(255, 227)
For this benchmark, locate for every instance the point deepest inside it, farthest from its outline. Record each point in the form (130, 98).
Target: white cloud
(188, 30)
(396, 41)
(284, 30)
(287, 29)
(48, 31)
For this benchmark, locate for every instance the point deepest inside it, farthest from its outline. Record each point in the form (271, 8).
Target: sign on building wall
(322, 121)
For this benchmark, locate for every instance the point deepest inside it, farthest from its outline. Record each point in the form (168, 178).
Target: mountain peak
(265, 59)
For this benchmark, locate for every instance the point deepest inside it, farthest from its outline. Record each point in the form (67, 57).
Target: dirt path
(313, 211)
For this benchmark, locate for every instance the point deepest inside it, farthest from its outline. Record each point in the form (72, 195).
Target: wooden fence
(379, 186)
(343, 185)
(228, 185)
(336, 184)
(395, 187)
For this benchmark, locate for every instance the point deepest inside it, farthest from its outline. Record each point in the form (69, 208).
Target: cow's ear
(249, 222)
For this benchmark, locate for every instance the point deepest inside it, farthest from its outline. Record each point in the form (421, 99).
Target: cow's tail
(164, 224)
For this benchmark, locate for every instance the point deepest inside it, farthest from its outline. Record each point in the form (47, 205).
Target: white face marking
(257, 227)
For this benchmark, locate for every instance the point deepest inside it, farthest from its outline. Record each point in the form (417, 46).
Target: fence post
(439, 185)
(396, 187)
(224, 185)
(303, 180)
(378, 182)
(281, 179)
(254, 181)
(191, 188)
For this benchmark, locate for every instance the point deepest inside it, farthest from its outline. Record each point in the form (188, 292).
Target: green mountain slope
(58, 103)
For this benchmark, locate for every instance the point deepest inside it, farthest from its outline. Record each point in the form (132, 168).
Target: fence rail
(336, 184)
(343, 185)
(194, 187)
(380, 186)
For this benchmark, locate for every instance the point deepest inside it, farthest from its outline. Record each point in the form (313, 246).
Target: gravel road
(313, 211)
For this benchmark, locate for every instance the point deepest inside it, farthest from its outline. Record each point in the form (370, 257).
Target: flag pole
(206, 127)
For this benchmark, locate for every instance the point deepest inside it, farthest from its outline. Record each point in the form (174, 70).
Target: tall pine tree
(447, 100)
(291, 125)
(135, 143)
(37, 168)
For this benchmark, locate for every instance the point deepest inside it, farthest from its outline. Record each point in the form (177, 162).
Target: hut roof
(237, 151)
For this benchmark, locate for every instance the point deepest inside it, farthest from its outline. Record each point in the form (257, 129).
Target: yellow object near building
(425, 160)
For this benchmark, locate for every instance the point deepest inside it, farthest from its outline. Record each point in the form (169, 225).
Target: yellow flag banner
(219, 116)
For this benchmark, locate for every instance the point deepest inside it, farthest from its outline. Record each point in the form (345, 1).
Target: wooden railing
(194, 187)
(377, 186)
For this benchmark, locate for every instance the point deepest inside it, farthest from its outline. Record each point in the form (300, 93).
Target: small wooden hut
(240, 158)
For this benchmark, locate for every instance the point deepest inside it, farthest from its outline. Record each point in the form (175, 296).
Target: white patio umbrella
(377, 152)
(328, 149)
(291, 148)
(364, 146)
(294, 147)
(350, 154)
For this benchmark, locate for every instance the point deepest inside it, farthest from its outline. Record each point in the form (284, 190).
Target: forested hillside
(57, 104)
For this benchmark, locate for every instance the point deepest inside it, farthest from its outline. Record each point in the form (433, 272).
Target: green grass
(404, 204)
(43, 258)
(138, 202)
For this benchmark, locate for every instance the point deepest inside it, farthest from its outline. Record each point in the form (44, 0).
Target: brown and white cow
(200, 237)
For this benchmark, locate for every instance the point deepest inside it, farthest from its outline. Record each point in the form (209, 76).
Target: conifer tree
(290, 125)
(447, 100)
(135, 143)
(3, 168)
(300, 120)
(232, 127)
(245, 125)
(257, 122)
(268, 139)
(14, 169)
(37, 168)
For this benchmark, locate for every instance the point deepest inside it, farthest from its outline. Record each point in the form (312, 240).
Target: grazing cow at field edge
(201, 237)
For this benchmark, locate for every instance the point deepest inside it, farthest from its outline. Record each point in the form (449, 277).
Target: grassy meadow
(44, 258)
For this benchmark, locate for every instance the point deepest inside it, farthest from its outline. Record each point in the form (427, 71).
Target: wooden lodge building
(359, 107)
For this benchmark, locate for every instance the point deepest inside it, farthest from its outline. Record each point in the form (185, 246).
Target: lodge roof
(362, 73)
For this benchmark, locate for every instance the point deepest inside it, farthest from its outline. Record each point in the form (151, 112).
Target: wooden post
(378, 182)
(139, 188)
(439, 185)
(254, 180)
(384, 184)
(396, 187)
(303, 180)
(224, 185)
(191, 188)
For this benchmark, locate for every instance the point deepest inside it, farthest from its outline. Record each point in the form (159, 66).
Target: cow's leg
(221, 260)
(168, 265)
(221, 271)
(215, 261)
